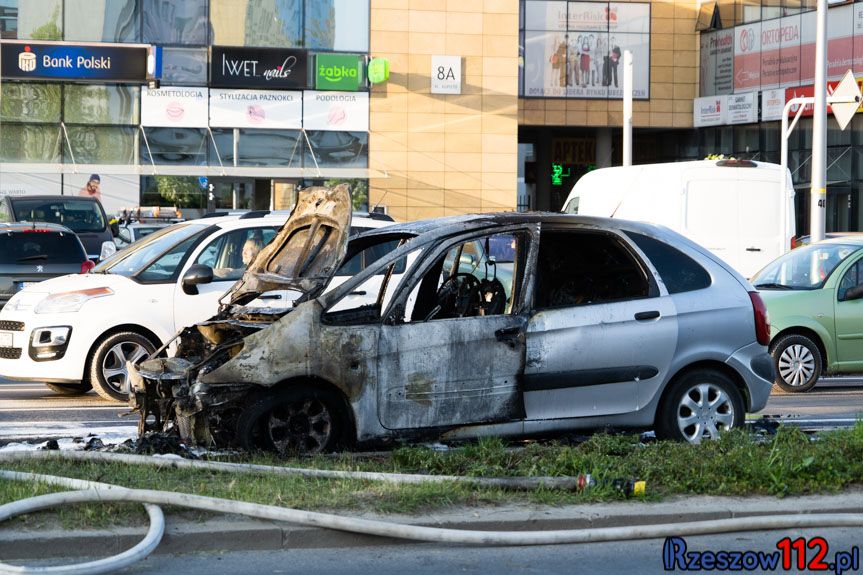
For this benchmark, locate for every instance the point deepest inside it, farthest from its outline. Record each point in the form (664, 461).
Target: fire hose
(90, 491)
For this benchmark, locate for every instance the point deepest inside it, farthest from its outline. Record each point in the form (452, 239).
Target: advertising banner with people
(575, 49)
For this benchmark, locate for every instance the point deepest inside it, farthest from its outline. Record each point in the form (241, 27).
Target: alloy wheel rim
(114, 370)
(301, 427)
(704, 411)
(796, 365)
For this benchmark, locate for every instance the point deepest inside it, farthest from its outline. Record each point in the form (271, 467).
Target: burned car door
(600, 327)
(453, 352)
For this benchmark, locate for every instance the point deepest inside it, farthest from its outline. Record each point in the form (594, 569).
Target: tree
(359, 192)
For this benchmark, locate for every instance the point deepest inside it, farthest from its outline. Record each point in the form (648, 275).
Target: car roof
(24, 226)
(52, 197)
(359, 220)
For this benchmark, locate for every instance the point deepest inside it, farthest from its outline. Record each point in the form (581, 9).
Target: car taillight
(762, 322)
(793, 243)
(87, 266)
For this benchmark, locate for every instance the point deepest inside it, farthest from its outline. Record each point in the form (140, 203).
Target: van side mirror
(196, 275)
(854, 293)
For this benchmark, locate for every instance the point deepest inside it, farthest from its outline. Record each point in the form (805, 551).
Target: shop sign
(772, 104)
(338, 72)
(274, 109)
(336, 111)
(710, 111)
(743, 108)
(379, 70)
(174, 107)
(21, 60)
(270, 68)
(446, 74)
(809, 92)
(573, 151)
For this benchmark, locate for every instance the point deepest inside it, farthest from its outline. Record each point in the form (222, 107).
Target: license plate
(5, 339)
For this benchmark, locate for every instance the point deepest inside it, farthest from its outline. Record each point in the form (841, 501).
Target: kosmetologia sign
(338, 72)
(339, 111)
(174, 107)
(59, 61)
(273, 109)
(270, 68)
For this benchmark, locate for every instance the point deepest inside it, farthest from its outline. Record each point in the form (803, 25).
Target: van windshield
(77, 215)
(805, 268)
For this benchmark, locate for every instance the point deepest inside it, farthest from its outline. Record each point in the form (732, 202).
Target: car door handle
(360, 292)
(753, 249)
(645, 315)
(509, 335)
(276, 296)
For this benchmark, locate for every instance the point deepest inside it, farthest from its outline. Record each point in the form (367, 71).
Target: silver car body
(522, 373)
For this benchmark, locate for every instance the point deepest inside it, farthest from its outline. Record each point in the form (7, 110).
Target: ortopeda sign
(20, 60)
(174, 107)
(336, 111)
(256, 109)
(270, 68)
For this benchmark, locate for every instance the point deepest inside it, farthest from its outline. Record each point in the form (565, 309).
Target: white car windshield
(166, 244)
(804, 268)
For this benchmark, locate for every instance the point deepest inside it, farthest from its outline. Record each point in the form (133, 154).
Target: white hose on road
(93, 491)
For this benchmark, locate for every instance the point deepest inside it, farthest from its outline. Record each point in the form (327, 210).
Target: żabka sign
(271, 68)
(80, 62)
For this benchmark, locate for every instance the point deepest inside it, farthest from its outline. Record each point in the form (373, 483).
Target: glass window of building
(266, 23)
(175, 146)
(224, 150)
(101, 104)
(102, 144)
(30, 143)
(270, 148)
(748, 11)
(338, 149)
(340, 25)
(175, 22)
(102, 21)
(32, 103)
(36, 19)
(184, 67)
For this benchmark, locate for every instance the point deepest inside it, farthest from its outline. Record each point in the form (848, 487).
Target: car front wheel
(700, 405)
(108, 373)
(798, 363)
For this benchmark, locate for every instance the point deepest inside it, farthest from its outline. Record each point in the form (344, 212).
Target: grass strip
(739, 463)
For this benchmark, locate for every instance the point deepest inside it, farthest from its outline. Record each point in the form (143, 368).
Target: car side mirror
(854, 293)
(196, 275)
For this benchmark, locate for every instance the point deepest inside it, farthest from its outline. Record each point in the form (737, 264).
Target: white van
(734, 208)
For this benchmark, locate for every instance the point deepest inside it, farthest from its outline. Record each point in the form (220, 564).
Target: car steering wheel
(457, 296)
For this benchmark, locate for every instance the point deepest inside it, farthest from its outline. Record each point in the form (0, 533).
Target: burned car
(586, 323)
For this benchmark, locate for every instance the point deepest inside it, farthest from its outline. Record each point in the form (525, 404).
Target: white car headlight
(70, 301)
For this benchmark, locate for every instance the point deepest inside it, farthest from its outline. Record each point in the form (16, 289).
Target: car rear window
(77, 215)
(679, 272)
(40, 247)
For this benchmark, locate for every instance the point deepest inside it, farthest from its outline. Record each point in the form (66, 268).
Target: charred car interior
(505, 324)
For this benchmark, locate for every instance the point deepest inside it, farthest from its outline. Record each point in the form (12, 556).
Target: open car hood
(306, 252)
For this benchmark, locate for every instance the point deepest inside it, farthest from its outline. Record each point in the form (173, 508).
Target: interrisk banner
(575, 49)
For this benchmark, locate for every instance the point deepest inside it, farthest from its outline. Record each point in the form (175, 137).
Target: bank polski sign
(336, 111)
(338, 72)
(273, 109)
(174, 107)
(21, 60)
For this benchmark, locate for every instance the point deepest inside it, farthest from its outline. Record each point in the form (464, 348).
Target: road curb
(234, 533)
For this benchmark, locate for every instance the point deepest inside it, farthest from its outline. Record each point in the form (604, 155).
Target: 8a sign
(446, 74)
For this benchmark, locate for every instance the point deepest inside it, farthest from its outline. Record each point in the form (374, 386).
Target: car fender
(804, 323)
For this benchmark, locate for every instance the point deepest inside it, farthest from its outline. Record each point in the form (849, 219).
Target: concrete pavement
(232, 533)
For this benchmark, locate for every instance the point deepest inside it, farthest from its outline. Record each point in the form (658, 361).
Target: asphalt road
(31, 412)
(643, 557)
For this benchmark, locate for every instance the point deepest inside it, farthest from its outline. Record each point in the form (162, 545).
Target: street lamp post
(818, 190)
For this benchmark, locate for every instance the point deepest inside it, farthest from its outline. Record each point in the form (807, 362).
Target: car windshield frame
(150, 248)
(773, 276)
(22, 209)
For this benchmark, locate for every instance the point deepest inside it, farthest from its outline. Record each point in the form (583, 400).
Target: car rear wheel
(798, 363)
(299, 421)
(108, 373)
(69, 388)
(700, 405)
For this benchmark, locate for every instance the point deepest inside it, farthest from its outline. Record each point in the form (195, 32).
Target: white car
(76, 332)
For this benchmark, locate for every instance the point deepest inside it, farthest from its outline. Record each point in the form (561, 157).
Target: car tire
(798, 363)
(701, 403)
(69, 389)
(293, 421)
(107, 368)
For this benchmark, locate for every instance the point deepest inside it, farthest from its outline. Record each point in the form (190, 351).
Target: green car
(814, 298)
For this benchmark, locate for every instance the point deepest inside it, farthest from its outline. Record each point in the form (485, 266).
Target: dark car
(84, 216)
(33, 252)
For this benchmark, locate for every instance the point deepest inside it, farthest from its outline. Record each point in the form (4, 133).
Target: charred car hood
(306, 252)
